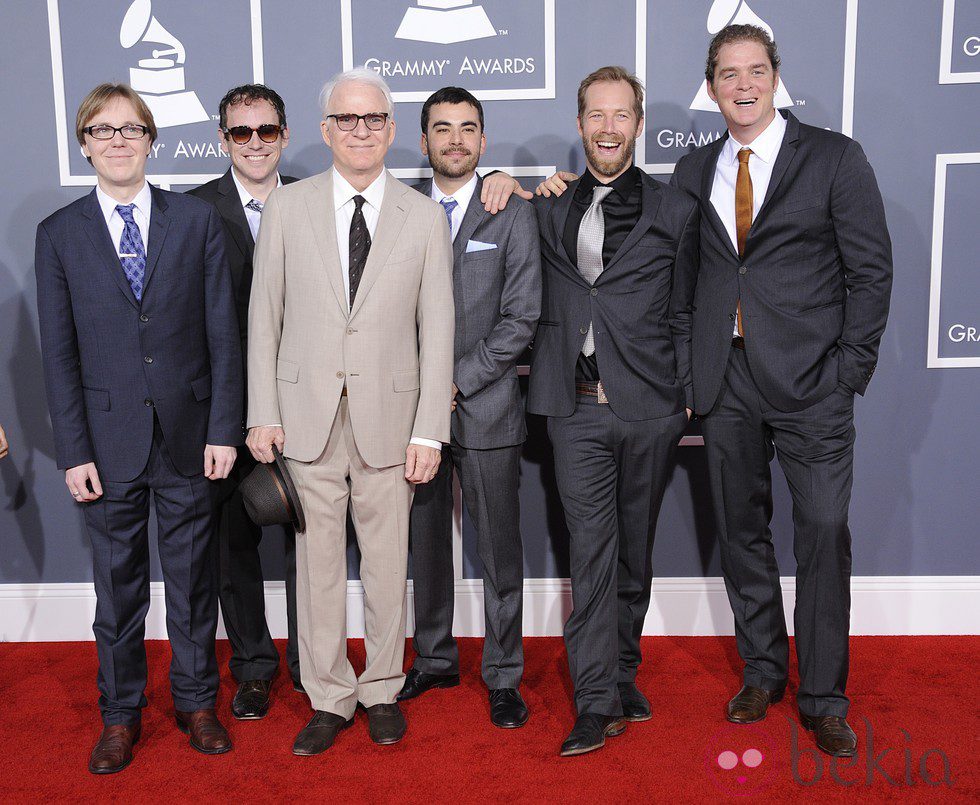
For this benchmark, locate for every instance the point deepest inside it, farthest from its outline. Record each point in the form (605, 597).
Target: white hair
(359, 75)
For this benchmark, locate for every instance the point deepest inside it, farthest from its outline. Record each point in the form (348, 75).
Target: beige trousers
(380, 503)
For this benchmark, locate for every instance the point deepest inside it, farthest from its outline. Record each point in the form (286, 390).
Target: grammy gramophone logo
(445, 22)
(735, 12)
(160, 80)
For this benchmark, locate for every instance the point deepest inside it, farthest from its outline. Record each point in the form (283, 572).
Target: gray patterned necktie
(591, 233)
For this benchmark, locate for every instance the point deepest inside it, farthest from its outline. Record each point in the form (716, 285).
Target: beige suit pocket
(405, 381)
(287, 370)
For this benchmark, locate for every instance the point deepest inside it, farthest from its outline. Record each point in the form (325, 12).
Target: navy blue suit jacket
(110, 361)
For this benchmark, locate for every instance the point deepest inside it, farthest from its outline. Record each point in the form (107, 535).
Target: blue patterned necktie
(255, 205)
(449, 204)
(132, 254)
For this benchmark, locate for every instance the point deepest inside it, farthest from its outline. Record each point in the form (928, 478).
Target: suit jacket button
(147, 359)
(350, 331)
(594, 292)
(340, 374)
(148, 402)
(731, 316)
(583, 330)
(144, 317)
(742, 269)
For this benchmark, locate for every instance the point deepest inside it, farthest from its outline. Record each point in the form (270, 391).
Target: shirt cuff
(426, 442)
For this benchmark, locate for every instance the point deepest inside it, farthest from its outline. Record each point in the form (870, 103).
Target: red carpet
(916, 699)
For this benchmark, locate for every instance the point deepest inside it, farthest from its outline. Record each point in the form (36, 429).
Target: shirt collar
(622, 185)
(243, 194)
(143, 200)
(765, 146)
(462, 196)
(343, 191)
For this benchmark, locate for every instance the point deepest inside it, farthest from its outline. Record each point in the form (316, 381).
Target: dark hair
(731, 34)
(247, 94)
(613, 74)
(450, 95)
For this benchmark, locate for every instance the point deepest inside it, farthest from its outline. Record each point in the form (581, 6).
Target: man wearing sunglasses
(252, 131)
(350, 368)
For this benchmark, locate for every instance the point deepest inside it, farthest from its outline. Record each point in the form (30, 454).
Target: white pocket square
(479, 246)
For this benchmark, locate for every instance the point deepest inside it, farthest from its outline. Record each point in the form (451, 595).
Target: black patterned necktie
(360, 245)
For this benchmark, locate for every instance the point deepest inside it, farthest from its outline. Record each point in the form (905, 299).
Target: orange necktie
(743, 212)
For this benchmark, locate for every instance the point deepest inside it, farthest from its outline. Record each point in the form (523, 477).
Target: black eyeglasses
(348, 122)
(130, 131)
(268, 133)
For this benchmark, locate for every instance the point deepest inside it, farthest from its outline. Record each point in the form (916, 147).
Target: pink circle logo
(741, 760)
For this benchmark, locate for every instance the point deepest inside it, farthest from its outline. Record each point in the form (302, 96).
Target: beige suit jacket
(393, 350)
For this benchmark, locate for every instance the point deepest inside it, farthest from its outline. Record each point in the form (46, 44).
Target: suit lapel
(230, 206)
(707, 182)
(559, 216)
(159, 227)
(98, 233)
(475, 213)
(787, 151)
(650, 203)
(323, 223)
(394, 211)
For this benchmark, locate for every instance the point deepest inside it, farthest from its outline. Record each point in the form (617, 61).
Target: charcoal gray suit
(612, 461)
(497, 293)
(814, 282)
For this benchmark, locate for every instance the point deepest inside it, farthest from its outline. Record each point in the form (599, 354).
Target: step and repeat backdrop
(902, 78)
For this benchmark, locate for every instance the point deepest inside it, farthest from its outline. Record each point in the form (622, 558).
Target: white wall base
(880, 605)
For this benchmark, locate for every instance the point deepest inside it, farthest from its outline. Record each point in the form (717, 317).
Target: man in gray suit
(791, 303)
(497, 290)
(611, 370)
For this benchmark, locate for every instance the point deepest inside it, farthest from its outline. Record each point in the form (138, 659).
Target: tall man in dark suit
(791, 302)
(611, 370)
(497, 289)
(143, 370)
(253, 132)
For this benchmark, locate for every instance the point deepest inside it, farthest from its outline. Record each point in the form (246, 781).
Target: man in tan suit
(350, 364)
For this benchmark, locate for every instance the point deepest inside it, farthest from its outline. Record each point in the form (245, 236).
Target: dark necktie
(360, 245)
(132, 254)
(255, 205)
(743, 213)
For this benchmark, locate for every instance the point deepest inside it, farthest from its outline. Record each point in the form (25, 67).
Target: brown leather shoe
(750, 704)
(114, 749)
(207, 734)
(386, 724)
(834, 735)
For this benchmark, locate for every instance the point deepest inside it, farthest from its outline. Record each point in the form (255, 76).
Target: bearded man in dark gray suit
(497, 290)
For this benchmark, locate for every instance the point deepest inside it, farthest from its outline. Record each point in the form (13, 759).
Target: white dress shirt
(765, 149)
(344, 206)
(254, 218)
(462, 197)
(113, 220)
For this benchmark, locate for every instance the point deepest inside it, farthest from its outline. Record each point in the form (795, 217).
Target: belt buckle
(600, 393)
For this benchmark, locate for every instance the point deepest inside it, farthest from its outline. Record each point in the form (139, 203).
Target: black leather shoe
(590, 732)
(750, 704)
(635, 704)
(251, 701)
(386, 724)
(417, 683)
(507, 708)
(318, 736)
(834, 735)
